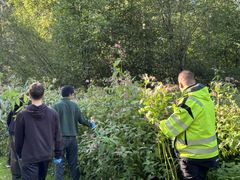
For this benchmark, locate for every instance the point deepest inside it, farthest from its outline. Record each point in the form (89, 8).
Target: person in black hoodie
(14, 164)
(37, 136)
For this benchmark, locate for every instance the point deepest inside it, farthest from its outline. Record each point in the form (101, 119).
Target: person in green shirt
(70, 115)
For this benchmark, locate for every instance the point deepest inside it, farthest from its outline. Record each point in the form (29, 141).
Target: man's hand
(157, 124)
(57, 161)
(93, 125)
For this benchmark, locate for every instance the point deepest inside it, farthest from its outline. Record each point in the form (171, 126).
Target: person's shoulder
(57, 103)
(21, 114)
(74, 104)
(51, 110)
(23, 111)
(70, 102)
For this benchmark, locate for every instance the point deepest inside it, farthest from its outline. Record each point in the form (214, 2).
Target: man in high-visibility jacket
(192, 125)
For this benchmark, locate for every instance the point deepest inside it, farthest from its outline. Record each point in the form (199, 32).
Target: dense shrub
(126, 144)
(228, 170)
(226, 98)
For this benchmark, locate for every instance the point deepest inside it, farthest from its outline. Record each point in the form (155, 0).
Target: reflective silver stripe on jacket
(199, 141)
(171, 128)
(179, 122)
(195, 100)
(200, 151)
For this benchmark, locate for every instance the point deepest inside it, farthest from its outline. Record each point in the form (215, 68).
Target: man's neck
(68, 97)
(37, 102)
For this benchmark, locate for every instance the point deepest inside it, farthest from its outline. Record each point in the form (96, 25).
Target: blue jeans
(71, 155)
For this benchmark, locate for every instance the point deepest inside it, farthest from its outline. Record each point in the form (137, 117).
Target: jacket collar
(194, 87)
(65, 99)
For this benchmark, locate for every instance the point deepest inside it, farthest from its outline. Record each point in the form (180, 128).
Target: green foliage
(226, 98)
(3, 137)
(126, 144)
(155, 102)
(158, 100)
(113, 145)
(4, 171)
(83, 38)
(123, 145)
(226, 171)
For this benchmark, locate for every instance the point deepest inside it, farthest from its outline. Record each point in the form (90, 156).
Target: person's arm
(177, 123)
(9, 118)
(58, 143)
(81, 119)
(19, 134)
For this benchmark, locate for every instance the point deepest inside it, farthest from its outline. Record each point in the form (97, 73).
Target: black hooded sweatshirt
(37, 134)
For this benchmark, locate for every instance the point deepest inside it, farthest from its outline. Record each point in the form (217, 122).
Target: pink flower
(118, 46)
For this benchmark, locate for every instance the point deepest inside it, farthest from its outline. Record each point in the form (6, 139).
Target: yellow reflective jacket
(193, 125)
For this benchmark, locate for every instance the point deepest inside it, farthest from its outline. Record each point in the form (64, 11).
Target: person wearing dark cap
(70, 115)
(37, 136)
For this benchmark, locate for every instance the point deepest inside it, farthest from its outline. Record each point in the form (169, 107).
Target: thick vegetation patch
(126, 142)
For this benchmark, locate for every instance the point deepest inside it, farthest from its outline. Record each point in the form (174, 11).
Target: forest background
(77, 41)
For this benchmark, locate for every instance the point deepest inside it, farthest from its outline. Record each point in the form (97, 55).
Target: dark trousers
(71, 155)
(196, 169)
(192, 171)
(9, 152)
(35, 171)
(14, 163)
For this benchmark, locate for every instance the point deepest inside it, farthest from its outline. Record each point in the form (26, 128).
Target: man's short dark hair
(67, 91)
(36, 91)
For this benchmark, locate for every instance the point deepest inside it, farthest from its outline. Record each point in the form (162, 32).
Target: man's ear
(181, 86)
(71, 95)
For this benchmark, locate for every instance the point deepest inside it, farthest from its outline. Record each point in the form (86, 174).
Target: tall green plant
(155, 102)
(226, 98)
